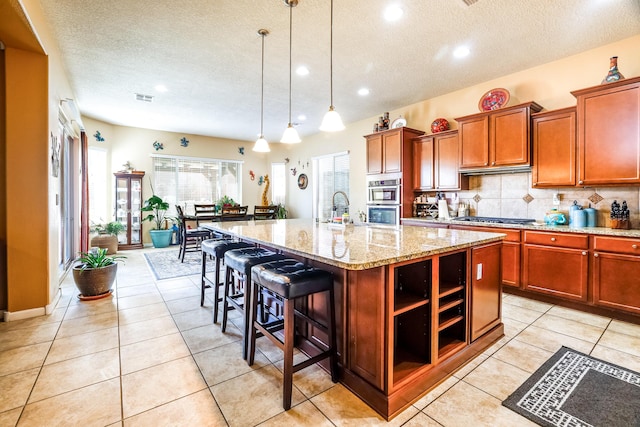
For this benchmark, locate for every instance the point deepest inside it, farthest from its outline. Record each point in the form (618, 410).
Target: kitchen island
(413, 304)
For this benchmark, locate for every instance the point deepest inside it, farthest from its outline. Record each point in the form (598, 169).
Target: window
(99, 187)
(330, 174)
(187, 180)
(278, 183)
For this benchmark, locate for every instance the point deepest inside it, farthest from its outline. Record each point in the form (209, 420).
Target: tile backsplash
(511, 195)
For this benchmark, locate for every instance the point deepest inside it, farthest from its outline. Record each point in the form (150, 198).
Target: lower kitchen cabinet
(556, 264)
(616, 267)
(486, 296)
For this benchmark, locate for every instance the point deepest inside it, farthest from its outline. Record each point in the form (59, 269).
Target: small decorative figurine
(158, 146)
(614, 74)
(128, 167)
(184, 142)
(265, 200)
(241, 150)
(252, 175)
(98, 137)
(261, 180)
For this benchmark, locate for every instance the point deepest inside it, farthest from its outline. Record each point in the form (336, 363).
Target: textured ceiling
(207, 53)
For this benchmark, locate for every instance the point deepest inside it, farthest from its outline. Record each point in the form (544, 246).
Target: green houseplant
(95, 273)
(107, 236)
(157, 208)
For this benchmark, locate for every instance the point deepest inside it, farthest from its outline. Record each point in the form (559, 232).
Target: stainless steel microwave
(384, 192)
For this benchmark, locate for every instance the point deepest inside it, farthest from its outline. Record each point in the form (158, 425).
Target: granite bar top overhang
(353, 247)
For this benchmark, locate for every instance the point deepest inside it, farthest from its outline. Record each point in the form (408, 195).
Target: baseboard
(10, 316)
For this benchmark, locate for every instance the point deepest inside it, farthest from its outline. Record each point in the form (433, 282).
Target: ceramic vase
(614, 74)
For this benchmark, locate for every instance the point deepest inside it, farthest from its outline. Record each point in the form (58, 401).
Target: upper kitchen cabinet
(435, 163)
(390, 150)
(498, 139)
(608, 118)
(554, 148)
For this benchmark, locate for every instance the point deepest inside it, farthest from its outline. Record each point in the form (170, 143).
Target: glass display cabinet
(128, 203)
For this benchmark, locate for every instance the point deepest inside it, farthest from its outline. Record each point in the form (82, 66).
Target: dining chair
(190, 239)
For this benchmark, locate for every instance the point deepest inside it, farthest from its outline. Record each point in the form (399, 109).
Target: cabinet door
(136, 213)
(447, 174)
(474, 142)
(511, 264)
(615, 281)
(609, 135)
(509, 138)
(423, 163)
(374, 154)
(122, 209)
(556, 271)
(366, 302)
(392, 152)
(485, 289)
(554, 149)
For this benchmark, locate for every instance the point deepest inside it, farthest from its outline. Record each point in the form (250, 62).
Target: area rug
(574, 389)
(166, 264)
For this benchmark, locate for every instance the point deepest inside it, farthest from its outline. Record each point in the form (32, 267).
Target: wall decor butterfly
(158, 146)
(241, 150)
(184, 142)
(294, 171)
(261, 180)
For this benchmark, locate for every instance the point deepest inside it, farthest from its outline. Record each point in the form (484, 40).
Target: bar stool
(290, 280)
(238, 263)
(216, 248)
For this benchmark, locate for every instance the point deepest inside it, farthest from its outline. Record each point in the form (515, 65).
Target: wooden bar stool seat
(237, 283)
(216, 248)
(290, 279)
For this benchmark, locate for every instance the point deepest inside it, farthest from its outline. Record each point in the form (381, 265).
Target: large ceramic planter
(94, 282)
(160, 238)
(106, 241)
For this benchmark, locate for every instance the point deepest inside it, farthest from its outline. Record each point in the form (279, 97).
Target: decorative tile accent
(528, 198)
(477, 198)
(596, 198)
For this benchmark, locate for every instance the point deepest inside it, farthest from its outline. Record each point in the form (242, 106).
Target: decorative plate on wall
(398, 123)
(303, 181)
(494, 99)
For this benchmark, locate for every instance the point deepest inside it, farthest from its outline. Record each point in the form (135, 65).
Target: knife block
(623, 224)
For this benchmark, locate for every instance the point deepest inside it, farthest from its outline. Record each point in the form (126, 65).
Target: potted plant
(95, 273)
(160, 234)
(107, 236)
(281, 212)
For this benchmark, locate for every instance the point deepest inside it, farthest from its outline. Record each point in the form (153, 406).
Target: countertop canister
(592, 216)
(578, 218)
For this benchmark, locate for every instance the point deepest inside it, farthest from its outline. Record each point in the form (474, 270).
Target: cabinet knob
(634, 246)
(553, 239)
(534, 184)
(486, 164)
(493, 163)
(581, 182)
(596, 255)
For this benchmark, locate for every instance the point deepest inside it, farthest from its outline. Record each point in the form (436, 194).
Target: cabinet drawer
(512, 235)
(617, 244)
(564, 240)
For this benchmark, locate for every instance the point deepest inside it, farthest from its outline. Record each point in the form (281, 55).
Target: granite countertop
(539, 226)
(353, 247)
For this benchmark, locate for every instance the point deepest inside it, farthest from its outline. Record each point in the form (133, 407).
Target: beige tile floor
(150, 356)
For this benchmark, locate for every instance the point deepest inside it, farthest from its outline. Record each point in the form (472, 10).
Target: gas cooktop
(495, 220)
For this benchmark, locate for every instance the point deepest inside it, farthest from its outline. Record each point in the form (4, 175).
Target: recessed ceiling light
(302, 70)
(393, 13)
(161, 88)
(363, 91)
(461, 52)
(302, 117)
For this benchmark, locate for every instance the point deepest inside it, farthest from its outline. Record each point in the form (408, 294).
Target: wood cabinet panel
(486, 296)
(366, 320)
(392, 152)
(615, 281)
(609, 133)
(446, 169)
(555, 271)
(566, 240)
(496, 139)
(374, 154)
(509, 138)
(554, 148)
(617, 244)
(474, 142)
(423, 161)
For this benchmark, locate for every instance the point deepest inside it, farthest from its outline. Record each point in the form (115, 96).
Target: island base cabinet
(616, 282)
(485, 289)
(556, 271)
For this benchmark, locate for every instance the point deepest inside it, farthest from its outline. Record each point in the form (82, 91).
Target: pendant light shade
(261, 145)
(290, 135)
(331, 121)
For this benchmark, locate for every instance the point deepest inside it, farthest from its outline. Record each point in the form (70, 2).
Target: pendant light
(290, 135)
(261, 145)
(331, 121)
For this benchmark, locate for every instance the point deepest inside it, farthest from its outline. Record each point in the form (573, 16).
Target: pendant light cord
(263, 33)
(331, 57)
(290, 47)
